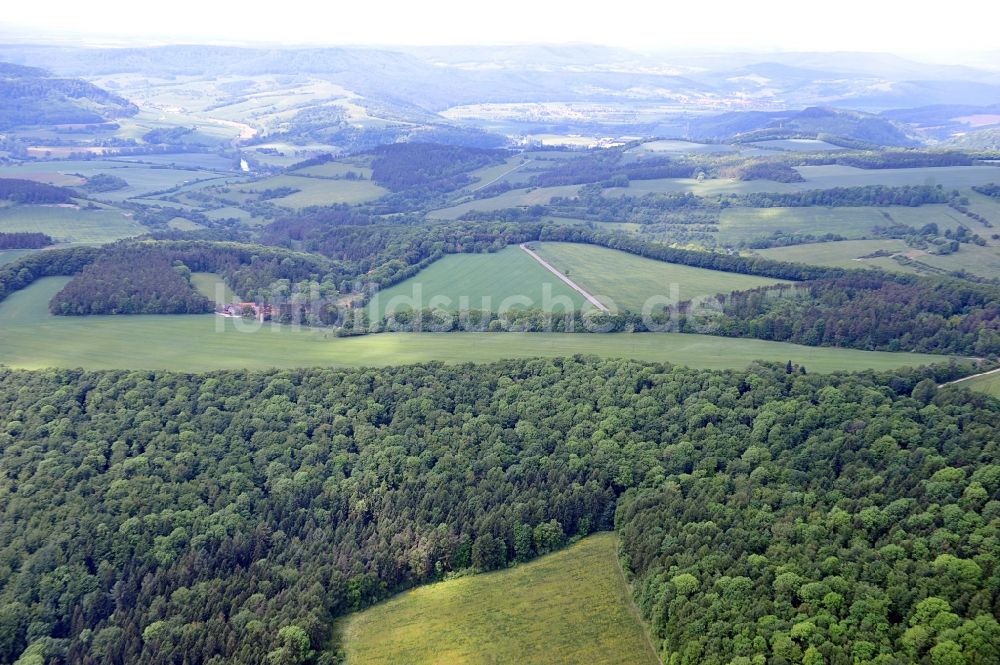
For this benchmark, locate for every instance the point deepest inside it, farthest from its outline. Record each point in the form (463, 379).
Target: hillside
(32, 96)
(813, 122)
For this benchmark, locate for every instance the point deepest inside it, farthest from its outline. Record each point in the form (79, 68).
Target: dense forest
(870, 312)
(25, 240)
(167, 518)
(29, 191)
(431, 166)
(125, 282)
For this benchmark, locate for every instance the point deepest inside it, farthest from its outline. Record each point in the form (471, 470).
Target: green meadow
(743, 224)
(841, 254)
(316, 191)
(32, 338)
(70, 224)
(629, 281)
(511, 199)
(484, 280)
(572, 606)
(9, 255)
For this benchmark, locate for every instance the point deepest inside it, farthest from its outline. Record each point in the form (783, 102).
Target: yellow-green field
(32, 338)
(987, 383)
(569, 607)
(629, 281)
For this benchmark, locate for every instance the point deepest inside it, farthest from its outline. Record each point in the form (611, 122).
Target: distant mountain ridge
(441, 77)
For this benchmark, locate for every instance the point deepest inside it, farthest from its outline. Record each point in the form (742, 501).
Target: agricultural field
(629, 281)
(572, 606)
(31, 338)
(981, 261)
(189, 160)
(485, 280)
(9, 255)
(835, 175)
(69, 224)
(681, 147)
(841, 254)
(333, 170)
(796, 145)
(706, 187)
(514, 169)
(313, 191)
(987, 383)
(511, 199)
(738, 225)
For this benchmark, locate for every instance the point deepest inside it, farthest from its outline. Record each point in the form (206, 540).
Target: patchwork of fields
(572, 606)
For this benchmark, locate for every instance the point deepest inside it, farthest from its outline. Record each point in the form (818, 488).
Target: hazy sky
(853, 25)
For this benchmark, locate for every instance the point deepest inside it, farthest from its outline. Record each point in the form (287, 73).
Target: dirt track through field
(968, 378)
(502, 175)
(573, 285)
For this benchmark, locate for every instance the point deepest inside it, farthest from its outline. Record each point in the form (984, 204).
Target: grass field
(212, 287)
(197, 160)
(514, 169)
(796, 145)
(989, 383)
(70, 224)
(982, 261)
(833, 175)
(629, 281)
(507, 273)
(683, 147)
(842, 254)
(511, 199)
(572, 606)
(741, 224)
(9, 255)
(316, 191)
(32, 338)
(333, 170)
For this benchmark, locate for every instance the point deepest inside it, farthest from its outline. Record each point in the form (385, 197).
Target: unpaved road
(573, 285)
(504, 174)
(951, 383)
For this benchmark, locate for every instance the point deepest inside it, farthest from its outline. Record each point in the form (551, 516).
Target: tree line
(19, 190)
(25, 240)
